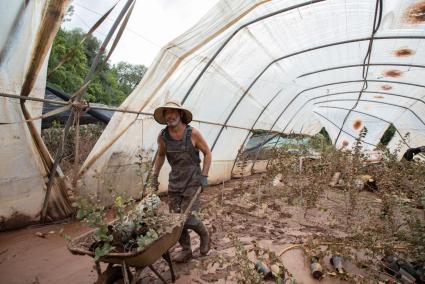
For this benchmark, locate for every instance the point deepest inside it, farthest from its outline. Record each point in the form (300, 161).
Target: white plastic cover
(255, 64)
(22, 173)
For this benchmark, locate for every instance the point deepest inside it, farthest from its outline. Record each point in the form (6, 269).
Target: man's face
(172, 117)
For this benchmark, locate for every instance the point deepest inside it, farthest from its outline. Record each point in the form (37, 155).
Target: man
(408, 155)
(180, 144)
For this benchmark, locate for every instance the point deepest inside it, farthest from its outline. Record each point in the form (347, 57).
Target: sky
(153, 23)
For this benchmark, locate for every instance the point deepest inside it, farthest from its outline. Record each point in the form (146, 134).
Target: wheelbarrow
(119, 264)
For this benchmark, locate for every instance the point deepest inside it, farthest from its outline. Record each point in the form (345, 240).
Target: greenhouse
(293, 99)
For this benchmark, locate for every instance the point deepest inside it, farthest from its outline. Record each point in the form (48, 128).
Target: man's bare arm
(202, 145)
(160, 156)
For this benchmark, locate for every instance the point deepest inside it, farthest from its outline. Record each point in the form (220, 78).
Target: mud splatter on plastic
(415, 14)
(357, 124)
(404, 52)
(393, 73)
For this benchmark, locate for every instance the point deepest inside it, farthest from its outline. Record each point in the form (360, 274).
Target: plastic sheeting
(22, 172)
(285, 66)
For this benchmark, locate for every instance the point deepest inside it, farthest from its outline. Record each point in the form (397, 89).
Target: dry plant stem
(58, 158)
(77, 96)
(258, 195)
(77, 146)
(222, 195)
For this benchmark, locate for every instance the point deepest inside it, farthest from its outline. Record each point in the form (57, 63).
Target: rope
(65, 106)
(87, 106)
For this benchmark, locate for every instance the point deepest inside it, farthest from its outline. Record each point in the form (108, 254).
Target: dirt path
(27, 258)
(247, 214)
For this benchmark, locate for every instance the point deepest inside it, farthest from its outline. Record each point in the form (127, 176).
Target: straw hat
(159, 112)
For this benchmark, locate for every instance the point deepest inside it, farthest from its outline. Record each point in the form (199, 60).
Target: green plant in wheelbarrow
(137, 224)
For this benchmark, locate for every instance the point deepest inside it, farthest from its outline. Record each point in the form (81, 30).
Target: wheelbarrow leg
(137, 276)
(125, 273)
(167, 258)
(157, 274)
(98, 270)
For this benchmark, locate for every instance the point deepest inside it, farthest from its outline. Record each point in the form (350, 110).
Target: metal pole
(59, 152)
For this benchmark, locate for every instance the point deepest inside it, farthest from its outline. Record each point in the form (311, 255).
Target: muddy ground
(235, 209)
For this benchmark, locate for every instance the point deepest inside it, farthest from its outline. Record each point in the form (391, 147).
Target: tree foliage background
(110, 86)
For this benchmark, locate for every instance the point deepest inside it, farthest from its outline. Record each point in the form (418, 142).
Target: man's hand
(204, 181)
(155, 182)
(410, 153)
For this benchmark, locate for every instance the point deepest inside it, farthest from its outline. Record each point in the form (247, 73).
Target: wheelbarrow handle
(186, 214)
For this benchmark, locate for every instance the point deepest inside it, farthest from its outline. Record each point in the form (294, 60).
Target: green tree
(70, 75)
(129, 75)
(111, 85)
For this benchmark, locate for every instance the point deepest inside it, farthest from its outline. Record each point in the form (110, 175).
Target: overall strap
(164, 133)
(186, 136)
(190, 148)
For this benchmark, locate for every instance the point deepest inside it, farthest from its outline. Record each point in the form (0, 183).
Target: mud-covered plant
(285, 165)
(148, 238)
(301, 173)
(417, 240)
(89, 134)
(312, 176)
(279, 271)
(358, 145)
(353, 169)
(396, 222)
(144, 169)
(136, 224)
(245, 269)
(242, 163)
(389, 220)
(94, 215)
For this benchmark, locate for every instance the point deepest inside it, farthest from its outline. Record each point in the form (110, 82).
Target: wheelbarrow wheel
(115, 275)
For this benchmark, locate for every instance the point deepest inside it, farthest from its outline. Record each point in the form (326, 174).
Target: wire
(127, 28)
(106, 108)
(366, 62)
(195, 55)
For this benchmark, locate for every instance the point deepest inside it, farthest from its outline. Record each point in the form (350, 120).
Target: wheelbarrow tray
(145, 257)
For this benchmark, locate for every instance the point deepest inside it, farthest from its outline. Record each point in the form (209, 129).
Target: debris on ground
(336, 262)
(403, 270)
(41, 235)
(316, 269)
(349, 231)
(335, 179)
